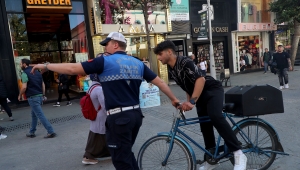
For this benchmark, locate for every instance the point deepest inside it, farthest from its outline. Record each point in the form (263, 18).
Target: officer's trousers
(121, 131)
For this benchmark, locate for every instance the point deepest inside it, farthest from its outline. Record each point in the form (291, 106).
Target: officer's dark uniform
(121, 76)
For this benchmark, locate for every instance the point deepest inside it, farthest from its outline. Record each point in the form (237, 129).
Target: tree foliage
(286, 11)
(147, 6)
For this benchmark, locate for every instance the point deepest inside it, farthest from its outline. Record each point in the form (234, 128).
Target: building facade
(43, 31)
(255, 32)
(224, 21)
(69, 31)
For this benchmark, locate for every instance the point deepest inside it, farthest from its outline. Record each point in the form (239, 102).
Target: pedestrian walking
(96, 146)
(207, 94)
(4, 100)
(283, 61)
(203, 66)
(266, 59)
(195, 60)
(120, 76)
(34, 88)
(63, 88)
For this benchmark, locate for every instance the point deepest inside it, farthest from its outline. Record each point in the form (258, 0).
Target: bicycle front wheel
(263, 140)
(154, 151)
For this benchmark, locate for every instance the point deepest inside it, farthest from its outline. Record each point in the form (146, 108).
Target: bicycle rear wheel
(154, 151)
(263, 139)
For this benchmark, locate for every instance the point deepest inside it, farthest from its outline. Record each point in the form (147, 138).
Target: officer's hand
(175, 102)
(187, 106)
(40, 67)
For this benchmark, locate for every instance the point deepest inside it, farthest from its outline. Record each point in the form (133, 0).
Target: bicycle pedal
(199, 162)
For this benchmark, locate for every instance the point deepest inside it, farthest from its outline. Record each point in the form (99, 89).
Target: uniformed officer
(121, 76)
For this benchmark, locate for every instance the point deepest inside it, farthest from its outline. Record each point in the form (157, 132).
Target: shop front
(131, 23)
(224, 20)
(283, 37)
(253, 34)
(46, 31)
(249, 43)
(220, 33)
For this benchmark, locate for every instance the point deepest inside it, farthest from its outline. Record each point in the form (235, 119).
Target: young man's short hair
(25, 61)
(122, 45)
(280, 46)
(163, 46)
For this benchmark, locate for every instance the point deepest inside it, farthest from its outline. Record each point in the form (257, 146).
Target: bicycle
(167, 150)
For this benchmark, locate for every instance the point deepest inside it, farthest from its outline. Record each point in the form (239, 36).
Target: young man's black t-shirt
(281, 59)
(185, 73)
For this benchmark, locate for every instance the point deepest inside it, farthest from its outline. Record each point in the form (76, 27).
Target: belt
(121, 109)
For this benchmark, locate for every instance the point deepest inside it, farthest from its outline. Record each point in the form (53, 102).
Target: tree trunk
(152, 60)
(295, 42)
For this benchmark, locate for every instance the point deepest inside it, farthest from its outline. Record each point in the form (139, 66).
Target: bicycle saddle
(228, 107)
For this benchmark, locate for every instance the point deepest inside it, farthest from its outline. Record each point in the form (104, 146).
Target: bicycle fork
(171, 138)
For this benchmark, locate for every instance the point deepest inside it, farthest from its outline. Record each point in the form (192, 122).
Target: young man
(207, 94)
(34, 88)
(283, 65)
(266, 59)
(120, 76)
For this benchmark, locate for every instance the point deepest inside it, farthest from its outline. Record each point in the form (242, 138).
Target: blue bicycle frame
(178, 122)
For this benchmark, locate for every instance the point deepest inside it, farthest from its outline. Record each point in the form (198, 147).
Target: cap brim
(104, 42)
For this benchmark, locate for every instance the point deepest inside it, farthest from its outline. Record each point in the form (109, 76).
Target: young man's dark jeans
(211, 104)
(283, 74)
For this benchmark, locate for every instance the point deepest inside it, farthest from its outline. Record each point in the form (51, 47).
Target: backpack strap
(92, 88)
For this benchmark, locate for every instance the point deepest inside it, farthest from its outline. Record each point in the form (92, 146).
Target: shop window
(255, 11)
(128, 13)
(283, 37)
(137, 46)
(249, 51)
(14, 5)
(218, 48)
(78, 39)
(18, 34)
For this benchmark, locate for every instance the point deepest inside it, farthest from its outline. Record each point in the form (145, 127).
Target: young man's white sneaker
(281, 87)
(286, 86)
(2, 136)
(240, 162)
(207, 166)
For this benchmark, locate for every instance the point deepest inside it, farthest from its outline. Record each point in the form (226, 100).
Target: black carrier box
(252, 100)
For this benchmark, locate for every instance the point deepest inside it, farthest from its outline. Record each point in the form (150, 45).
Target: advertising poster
(19, 71)
(180, 10)
(81, 57)
(202, 35)
(149, 95)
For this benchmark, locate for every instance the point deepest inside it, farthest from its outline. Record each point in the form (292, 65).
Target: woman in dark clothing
(3, 98)
(63, 88)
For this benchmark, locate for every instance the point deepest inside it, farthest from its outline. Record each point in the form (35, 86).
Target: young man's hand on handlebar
(186, 106)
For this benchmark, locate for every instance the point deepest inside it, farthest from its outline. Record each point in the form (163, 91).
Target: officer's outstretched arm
(62, 68)
(165, 89)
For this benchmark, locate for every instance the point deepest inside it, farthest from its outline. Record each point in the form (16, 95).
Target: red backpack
(87, 108)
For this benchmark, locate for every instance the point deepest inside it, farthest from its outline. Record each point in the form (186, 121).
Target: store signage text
(213, 29)
(257, 26)
(49, 2)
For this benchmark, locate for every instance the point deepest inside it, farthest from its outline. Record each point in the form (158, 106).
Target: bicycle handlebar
(181, 112)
